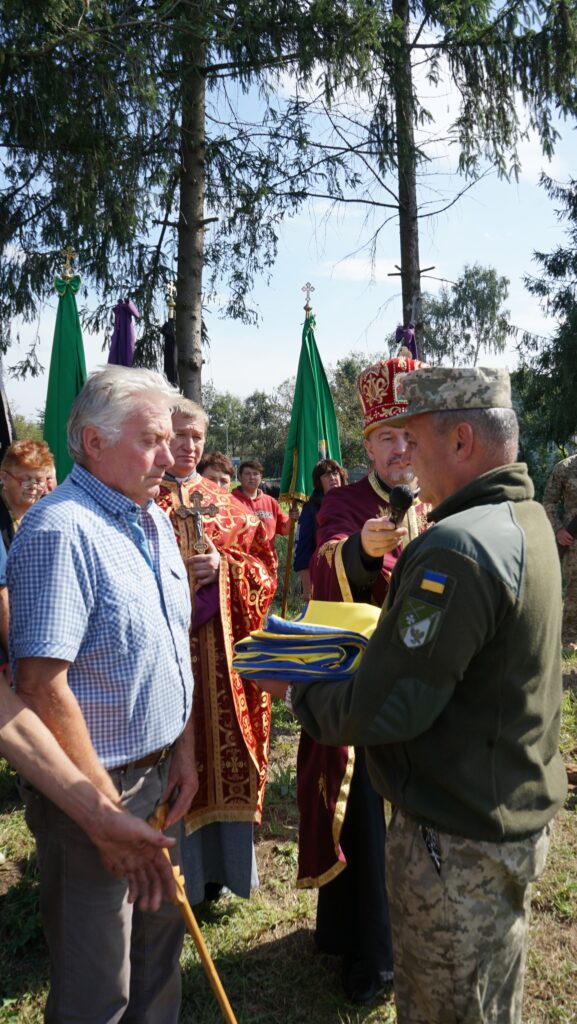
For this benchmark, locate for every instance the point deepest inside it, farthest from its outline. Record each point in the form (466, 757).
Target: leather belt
(148, 761)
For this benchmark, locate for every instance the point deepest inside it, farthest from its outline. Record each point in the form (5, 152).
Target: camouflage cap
(442, 388)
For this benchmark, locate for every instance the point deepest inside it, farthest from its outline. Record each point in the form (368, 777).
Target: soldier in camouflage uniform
(560, 502)
(458, 702)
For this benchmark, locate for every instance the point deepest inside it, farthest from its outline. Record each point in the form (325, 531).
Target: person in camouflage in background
(458, 703)
(560, 503)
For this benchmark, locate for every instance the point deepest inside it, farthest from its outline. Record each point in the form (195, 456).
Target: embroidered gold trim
(341, 805)
(327, 876)
(343, 582)
(374, 482)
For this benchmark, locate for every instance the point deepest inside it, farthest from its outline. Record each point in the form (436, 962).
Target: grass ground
(263, 948)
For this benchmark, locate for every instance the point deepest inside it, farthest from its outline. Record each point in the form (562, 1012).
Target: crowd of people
(122, 595)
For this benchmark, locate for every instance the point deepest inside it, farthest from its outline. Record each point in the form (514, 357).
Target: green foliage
(25, 428)
(283, 783)
(96, 111)
(225, 428)
(112, 183)
(263, 948)
(547, 377)
(466, 319)
(568, 741)
(511, 68)
(266, 425)
(9, 1011)
(535, 446)
(282, 720)
(255, 428)
(294, 603)
(565, 899)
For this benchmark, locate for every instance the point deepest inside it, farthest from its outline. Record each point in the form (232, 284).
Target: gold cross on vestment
(197, 511)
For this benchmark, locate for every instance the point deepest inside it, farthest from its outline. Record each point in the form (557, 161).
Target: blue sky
(357, 305)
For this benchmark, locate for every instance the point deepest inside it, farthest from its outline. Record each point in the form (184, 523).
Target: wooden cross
(197, 511)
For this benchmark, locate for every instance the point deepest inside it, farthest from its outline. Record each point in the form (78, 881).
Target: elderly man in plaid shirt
(99, 645)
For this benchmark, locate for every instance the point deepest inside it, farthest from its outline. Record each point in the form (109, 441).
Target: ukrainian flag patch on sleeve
(434, 582)
(423, 610)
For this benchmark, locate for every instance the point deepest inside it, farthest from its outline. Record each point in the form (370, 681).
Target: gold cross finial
(307, 289)
(171, 298)
(69, 257)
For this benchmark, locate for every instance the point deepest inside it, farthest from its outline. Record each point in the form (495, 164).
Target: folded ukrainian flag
(327, 640)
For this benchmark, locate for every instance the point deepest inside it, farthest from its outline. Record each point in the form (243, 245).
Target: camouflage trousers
(460, 926)
(569, 567)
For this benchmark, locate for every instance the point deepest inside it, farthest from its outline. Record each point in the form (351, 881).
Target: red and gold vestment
(231, 715)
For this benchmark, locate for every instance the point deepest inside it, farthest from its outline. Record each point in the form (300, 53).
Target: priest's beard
(397, 474)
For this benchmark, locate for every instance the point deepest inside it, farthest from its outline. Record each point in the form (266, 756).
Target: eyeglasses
(28, 482)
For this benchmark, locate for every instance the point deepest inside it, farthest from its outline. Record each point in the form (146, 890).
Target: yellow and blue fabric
(327, 641)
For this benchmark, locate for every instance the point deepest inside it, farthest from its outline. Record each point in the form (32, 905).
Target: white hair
(104, 402)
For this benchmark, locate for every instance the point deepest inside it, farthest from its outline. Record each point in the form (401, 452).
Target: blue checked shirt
(82, 591)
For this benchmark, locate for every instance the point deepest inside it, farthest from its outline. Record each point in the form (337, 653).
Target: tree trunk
(191, 228)
(407, 177)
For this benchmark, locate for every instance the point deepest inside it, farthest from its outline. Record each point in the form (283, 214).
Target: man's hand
(379, 536)
(204, 568)
(131, 849)
(276, 687)
(182, 777)
(564, 538)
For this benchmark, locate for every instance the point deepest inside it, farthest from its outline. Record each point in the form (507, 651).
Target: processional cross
(196, 511)
(308, 288)
(69, 256)
(171, 298)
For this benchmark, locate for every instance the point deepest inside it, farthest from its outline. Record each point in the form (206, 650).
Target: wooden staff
(157, 821)
(289, 559)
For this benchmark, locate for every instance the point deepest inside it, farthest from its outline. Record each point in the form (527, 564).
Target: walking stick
(157, 820)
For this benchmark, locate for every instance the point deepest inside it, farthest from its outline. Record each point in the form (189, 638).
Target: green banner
(67, 373)
(313, 432)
